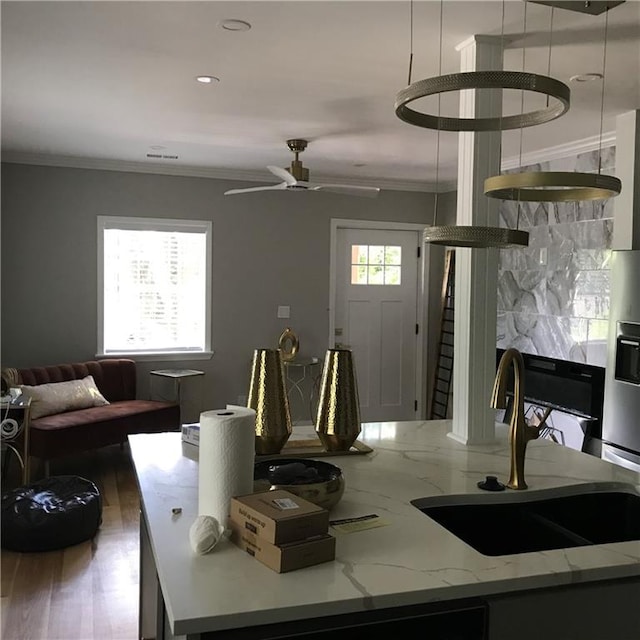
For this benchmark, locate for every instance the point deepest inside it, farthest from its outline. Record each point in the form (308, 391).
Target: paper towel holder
(268, 397)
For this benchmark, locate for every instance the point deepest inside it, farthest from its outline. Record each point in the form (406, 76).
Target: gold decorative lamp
(338, 414)
(268, 397)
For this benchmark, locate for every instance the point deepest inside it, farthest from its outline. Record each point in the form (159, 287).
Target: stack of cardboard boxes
(281, 530)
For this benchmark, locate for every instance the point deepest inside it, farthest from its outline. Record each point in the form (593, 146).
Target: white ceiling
(106, 81)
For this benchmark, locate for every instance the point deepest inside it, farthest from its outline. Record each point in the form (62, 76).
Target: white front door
(376, 310)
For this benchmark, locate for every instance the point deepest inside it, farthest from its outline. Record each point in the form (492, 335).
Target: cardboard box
(288, 556)
(279, 516)
(191, 433)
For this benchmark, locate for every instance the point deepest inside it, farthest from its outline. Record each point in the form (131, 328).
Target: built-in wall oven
(621, 419)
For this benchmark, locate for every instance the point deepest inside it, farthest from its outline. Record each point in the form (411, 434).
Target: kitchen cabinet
(575, 612)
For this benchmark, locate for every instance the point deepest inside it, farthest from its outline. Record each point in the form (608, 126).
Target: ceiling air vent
(160, 156)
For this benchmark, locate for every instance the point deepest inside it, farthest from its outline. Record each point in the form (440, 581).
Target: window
(154, 286)
(375, 264)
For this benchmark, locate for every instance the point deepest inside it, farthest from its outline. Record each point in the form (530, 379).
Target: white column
(626, 206)
(474, 344)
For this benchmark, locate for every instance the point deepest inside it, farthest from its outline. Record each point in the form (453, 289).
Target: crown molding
(560, 151)
(585, 145)
(163, 168)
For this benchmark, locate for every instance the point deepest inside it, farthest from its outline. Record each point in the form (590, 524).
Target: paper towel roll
(226, 459)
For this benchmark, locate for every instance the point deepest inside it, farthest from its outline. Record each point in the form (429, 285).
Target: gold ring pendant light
(483, 80)
(552, 186)
(478, 236)
(558, 186)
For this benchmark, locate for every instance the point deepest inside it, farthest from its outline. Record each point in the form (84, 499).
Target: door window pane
(358, 274)
(359, 254)
(376, 274)
(376, 255)
(376, 264)
(392, 275)
(392, 255)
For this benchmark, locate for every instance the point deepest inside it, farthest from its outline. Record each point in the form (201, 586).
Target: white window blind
(155, 285)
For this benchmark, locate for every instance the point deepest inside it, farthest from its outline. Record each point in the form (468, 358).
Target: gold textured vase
(338, 414)
(268, 397)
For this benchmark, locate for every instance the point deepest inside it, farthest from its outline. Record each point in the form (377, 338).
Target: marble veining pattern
(411, 560)
(553, 296)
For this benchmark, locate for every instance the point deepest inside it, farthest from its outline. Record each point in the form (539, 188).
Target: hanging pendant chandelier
(558, 186)
(552, 186)
(475, 236)
(518, 80)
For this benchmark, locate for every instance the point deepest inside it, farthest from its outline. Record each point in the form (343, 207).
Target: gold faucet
(519, 431)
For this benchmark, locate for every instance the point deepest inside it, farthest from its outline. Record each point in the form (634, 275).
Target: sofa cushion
(56, 397)
(76, 431)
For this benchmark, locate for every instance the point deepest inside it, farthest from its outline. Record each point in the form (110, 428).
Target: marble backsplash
(553, 296)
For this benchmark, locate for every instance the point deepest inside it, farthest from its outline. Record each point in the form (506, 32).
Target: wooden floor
(88, 591)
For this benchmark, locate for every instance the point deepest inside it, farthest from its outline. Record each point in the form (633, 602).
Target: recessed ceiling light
(586, 77)
(234, 25)
(207, 79)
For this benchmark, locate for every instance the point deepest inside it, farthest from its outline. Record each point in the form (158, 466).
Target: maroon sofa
(73, 432)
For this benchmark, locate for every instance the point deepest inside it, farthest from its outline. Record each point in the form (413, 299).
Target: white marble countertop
(412, 560)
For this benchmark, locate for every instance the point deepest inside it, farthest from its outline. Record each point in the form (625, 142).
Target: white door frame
(423, 279)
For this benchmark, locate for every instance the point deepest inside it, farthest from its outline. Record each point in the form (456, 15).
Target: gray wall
(268, 249)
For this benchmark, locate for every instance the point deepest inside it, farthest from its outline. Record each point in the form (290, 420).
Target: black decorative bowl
(318, 482)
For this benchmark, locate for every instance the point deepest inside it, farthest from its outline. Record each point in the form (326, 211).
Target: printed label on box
(191, 433)
(285, 503)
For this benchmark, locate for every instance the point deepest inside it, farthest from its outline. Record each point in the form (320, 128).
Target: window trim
(145, 224)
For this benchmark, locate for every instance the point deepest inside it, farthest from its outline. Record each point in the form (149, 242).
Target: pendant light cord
(524, 49)
(435, 204)
(501, 132)
(501, 93)
(604, 65)
(550, 43)
(410, 41)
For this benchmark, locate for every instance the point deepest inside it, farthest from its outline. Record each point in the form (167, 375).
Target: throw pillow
(58, 397)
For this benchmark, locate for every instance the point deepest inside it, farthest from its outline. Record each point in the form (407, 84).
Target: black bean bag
(49, 514)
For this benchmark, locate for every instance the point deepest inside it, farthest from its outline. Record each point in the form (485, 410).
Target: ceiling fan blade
(283, 174)
(346, 189)
(274, 187)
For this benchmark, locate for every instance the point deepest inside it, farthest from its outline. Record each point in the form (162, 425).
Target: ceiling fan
(296, 178)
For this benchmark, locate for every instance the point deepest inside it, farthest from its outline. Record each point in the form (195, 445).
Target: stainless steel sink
(506, 523)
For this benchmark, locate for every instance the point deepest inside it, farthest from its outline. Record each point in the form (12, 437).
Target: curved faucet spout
(519, 431)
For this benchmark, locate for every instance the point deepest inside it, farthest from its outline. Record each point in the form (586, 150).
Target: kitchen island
(410, 569)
